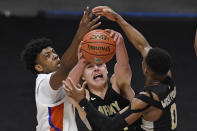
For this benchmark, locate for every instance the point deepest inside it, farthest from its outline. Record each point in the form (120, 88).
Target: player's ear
(38, 68)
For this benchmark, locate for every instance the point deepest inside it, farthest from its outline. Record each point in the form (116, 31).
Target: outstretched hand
(105, 11)
(116, 36)
(87, 23)
(76, 93)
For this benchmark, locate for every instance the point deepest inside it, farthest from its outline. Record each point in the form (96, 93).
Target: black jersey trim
(149, 100)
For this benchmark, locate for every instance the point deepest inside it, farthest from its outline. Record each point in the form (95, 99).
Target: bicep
(136, 104)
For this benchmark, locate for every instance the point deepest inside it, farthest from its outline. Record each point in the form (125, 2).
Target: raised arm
(69, 58)
(135, 37)
(122, 71)
(75, 75)
(195, 43)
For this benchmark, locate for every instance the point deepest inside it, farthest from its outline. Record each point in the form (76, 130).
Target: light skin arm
(122, 70)
(195, 43)
(69, 58)
(75, 75)
(77, 95)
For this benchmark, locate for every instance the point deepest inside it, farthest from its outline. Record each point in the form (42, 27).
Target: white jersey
(54, 112)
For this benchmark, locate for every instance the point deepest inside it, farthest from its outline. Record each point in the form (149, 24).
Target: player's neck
(154, 80)
(99, 91)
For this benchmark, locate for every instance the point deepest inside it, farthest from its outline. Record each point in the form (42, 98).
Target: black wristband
(101, 121)
(83, 103)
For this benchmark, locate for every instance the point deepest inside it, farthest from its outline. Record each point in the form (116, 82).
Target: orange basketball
(98, 47)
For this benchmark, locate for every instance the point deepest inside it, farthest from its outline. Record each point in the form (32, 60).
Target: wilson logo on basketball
(99, 36)
(106, 48)
(98, 46)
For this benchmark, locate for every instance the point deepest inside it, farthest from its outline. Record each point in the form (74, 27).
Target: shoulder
(43, 79)
(43, 76)
(140, 104)
(43, 84)
(154, 95)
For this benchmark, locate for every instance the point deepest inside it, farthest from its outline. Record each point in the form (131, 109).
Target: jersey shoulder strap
(149, 100)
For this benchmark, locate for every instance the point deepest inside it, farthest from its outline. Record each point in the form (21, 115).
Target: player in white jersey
(54, 112)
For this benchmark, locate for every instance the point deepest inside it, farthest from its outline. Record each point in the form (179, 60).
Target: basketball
(98, 47)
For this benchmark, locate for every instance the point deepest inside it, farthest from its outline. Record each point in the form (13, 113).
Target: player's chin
(99, 83)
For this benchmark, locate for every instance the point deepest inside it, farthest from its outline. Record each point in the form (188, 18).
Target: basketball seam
(97, 55)
(98, 42)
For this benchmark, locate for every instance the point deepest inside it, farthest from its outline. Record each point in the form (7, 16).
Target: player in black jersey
(108, 95)
(155, 104)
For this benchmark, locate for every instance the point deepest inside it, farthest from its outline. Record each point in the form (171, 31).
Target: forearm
(76, 73)
(82, 115)
(100, 120)
(122, 68)
(134, 36)
(121, 55)
(123, 72)
(68, 61)
(69, 58)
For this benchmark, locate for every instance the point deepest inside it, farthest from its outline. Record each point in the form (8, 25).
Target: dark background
(30, 7)
(175, 34)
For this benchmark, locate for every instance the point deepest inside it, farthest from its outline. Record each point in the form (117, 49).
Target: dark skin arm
(134, 36)
(69, 58)
(77, 94)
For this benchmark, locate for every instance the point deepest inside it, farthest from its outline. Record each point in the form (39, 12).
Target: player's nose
(55, 56)
(96, 68)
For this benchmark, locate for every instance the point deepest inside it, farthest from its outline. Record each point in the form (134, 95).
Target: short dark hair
(158, 60)
(31, 51)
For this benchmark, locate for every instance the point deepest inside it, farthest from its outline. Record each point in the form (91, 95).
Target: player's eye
(99, 65)
(54, 51)
(90, 66)
(47, 55)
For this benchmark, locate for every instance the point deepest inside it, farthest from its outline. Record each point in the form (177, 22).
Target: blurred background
(169, 24)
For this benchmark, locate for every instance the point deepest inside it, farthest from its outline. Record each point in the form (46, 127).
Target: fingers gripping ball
(98, 47)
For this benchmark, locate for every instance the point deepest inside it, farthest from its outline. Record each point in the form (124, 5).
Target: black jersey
(166, 91)
(110, 106)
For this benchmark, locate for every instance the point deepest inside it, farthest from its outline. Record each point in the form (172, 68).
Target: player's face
(95, 75)
(48, 60)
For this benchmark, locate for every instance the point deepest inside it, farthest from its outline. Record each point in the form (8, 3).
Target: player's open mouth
(58, 63)
(98, 76)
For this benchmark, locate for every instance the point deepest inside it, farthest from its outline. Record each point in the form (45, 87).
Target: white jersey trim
(147, 125)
